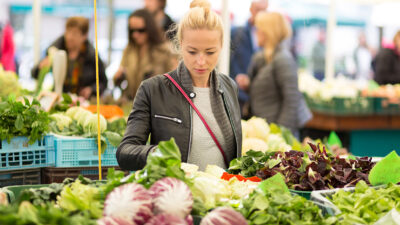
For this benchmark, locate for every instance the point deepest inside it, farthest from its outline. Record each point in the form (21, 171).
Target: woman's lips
(200, 70)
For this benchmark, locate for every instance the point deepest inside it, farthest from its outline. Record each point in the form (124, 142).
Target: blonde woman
(272, 76)
(180, 103)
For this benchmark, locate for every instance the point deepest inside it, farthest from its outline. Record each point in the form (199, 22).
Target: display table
(372, 135)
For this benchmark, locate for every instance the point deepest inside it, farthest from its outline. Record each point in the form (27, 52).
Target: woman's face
(200, 50)
(74, 39)
(152, 5)
(137, 27)
(260, 38)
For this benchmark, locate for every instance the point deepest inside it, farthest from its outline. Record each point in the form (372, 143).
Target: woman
(387, 63)
(81, 66)
(157, 8)
(272, 76)
(146, 54)
(161, 110)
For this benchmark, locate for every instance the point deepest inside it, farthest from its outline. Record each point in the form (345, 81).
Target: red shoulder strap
(200, 116)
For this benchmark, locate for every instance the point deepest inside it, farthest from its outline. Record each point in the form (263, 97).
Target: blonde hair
(275, 27)
(199, 16)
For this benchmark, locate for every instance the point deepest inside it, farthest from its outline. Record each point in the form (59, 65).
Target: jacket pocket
(173, 119)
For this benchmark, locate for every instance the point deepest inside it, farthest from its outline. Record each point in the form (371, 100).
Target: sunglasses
(139, 30)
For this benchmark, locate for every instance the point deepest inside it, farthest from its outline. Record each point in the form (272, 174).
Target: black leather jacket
(160, 109)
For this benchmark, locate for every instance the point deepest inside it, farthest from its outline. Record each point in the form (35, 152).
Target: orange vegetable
(108, 111)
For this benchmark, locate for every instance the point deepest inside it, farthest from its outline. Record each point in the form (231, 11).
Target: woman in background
(145, 55)
(387, 63)
(272, 76)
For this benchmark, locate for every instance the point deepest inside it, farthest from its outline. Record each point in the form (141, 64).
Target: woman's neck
(73, 54)
(201, 81)
(143, 49)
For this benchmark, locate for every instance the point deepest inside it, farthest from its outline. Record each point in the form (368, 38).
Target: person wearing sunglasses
(146, 54)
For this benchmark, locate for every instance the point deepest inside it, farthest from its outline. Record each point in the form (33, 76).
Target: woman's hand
(45, 62)
(119, 76)
(86, 92)
(243, 81)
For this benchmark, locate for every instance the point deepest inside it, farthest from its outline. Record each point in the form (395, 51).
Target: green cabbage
(62, 121)
(72, 111)
(8, 83)
(90, 124)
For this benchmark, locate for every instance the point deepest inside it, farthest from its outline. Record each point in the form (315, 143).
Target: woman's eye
(210, 53)
(192, 53)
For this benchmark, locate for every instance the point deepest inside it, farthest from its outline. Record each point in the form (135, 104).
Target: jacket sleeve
(132, 152)
(286, 78)
(385, 69)
(102, 78)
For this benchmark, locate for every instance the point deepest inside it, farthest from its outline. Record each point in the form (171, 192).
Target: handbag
(200, 116)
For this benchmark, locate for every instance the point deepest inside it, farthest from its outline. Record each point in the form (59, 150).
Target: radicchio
(223, 216)
(131, 202)
(171, 196)
(113, 221)
(166, 219)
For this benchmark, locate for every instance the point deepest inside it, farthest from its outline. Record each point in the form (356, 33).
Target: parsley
(22, 119)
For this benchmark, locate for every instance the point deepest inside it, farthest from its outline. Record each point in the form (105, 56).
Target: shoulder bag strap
(200, 116)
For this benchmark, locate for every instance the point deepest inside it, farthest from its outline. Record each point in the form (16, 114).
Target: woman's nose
(201, 59)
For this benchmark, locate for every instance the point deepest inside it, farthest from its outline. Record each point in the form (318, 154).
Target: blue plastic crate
(18, 154)
(81, 152)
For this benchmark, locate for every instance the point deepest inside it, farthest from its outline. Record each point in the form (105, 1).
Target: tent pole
(225, 54)
(329, 54)
(36, 30)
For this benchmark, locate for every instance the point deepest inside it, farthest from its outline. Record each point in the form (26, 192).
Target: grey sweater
(204, 151)
(274, 92)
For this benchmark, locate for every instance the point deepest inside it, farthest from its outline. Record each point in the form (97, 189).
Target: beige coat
(159, 60)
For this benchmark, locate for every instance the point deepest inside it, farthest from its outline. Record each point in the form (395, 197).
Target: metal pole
(225, 54)
(380, 29)
(36, 30)
(110, 29)
(329, 54)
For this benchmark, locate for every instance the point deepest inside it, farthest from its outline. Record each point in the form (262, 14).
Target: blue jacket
(241, 50)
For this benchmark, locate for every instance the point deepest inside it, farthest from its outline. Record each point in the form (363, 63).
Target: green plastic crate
(305, 194)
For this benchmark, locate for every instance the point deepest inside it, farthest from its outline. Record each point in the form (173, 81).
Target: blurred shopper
(145, 55)
(318, 56)
(7, 48)
(272, 76)
(157, 9)
(388, 63)
(362, 59)
(243, 46)
(81, 67)
(162, 109)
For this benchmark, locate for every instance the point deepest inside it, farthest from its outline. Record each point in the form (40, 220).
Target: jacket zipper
(176, 120)
(191, 130)
(230, 120)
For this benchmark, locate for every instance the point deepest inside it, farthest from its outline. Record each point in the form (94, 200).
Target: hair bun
(201, 3)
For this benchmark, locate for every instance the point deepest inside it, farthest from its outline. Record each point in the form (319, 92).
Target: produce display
(258, 135)
(316, 170)
(278, 207)
(77, 121)
(8, 83)
(22, 118)
(366, 205)
(389, 91)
